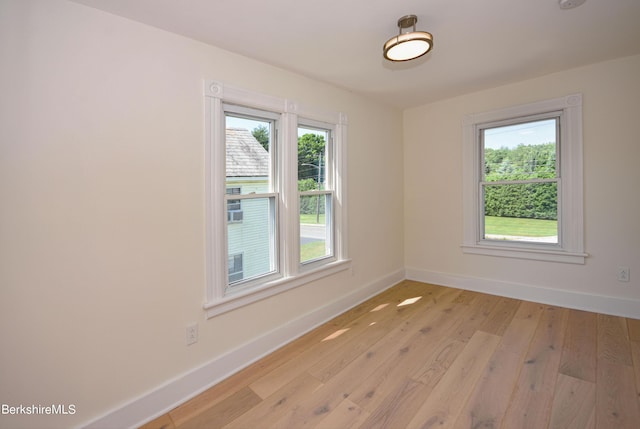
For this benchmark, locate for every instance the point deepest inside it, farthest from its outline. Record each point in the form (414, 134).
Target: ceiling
(478, 44)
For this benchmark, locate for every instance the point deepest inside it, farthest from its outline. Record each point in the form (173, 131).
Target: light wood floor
(451, 359)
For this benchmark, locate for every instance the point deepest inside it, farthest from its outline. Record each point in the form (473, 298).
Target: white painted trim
(289, 272)
(571, 204)
(184, 387)
(624, 307)
(252, 294)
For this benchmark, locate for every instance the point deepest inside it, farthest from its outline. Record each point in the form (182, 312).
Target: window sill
(546, 255)
(242, 298)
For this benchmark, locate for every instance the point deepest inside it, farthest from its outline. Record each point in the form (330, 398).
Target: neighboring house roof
(245, 155)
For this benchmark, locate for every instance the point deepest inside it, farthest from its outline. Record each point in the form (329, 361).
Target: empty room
(341, 214)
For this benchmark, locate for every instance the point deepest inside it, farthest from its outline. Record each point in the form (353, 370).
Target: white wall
(102, 208)
(433, 191)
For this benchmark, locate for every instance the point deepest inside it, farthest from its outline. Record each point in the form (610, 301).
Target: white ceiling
(477, 43)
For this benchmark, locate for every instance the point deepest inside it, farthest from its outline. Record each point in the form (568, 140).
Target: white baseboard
(564, 298)
(175, 392)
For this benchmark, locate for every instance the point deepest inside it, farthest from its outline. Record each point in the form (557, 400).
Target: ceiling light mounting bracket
(407, 21)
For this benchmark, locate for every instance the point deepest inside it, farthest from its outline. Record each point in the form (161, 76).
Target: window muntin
(315, 186)
(251, 184)
(518, 181)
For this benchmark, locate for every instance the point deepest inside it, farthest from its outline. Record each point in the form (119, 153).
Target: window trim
(570, 247)
(292, 274)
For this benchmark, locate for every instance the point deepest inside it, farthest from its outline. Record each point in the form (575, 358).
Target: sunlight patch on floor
(409, 301)
(380, 307)
(335, 335)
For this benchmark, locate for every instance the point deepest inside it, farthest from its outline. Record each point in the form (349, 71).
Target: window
(276, 206)
(523, 181)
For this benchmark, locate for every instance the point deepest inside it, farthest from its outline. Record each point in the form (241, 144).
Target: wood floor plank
(481, 308)
(443, 406)
(635, 354)
(530, 406)
(162, 422)
(267, 412)
(579, 350)
(346, 415)
(499, 379)
(613, 339)
(433, 366)
(224, 411)
(616, 396)
(634, 329)
(573, 404)
(398, 408)
(500, 317)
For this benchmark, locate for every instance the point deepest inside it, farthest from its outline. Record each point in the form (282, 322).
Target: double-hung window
(523, 181)
(276, 206)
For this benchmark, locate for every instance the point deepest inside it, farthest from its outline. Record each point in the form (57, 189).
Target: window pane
(312, 159)
(521, 151)
(253, 238)
(248, 163)
(234, 207)
(315, 227)
(521, 212)
(251, 222)
(235, 268)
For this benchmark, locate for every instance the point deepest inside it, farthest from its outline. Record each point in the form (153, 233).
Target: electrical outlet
(623, 274)
(192, 334)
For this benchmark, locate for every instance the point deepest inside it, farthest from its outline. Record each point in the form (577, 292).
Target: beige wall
(102, 207)
(433, 191)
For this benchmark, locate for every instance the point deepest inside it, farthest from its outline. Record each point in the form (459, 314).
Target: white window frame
(290, 273)
(570, 246)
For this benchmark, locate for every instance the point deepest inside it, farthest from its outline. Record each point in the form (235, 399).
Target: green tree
(310, 151)
(524, 162)
(261, 133)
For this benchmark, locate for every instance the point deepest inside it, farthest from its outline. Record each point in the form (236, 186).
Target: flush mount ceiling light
(570, 4)
(408, 45)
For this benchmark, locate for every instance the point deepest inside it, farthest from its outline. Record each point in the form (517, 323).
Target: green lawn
(313, 250)
(311, 218)
(495, 225)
